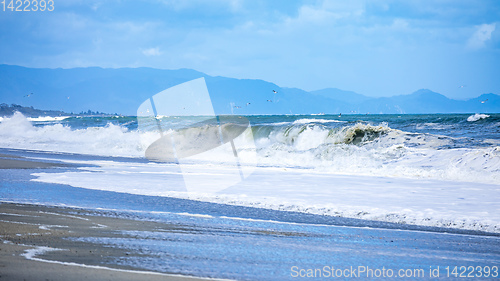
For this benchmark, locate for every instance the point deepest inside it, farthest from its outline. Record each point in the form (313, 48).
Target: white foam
(40, 226)
(433, 126)
(63, 215)
(49, 227)
(12, 214)
(196, 215)
(383, 152)
(31, 254)
(393, 199)
(111, 140)
(314, 120)
(38, 119)
(476, 117)
(47, 118)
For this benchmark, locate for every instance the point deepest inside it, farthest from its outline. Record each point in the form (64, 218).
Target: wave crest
(362, 133)
(476, 117)
(110, 140)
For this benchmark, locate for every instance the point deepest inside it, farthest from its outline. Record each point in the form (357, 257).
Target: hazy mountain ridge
(9, 110)
(122, 90)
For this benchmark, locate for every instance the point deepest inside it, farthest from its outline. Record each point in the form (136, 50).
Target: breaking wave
(110, 140)
(476, 117)
(355, 148)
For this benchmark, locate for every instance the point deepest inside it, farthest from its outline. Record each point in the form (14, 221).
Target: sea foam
(111, 140)
(476, 117)
(399, 200)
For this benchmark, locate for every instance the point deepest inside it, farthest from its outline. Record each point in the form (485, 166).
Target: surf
(353, 147)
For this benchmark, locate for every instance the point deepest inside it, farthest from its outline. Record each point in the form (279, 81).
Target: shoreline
(36, 245)
(60, 243)
(9, 161)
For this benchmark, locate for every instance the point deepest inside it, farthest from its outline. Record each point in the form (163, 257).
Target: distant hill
(341, 95)
(9, 110)
(122, 90)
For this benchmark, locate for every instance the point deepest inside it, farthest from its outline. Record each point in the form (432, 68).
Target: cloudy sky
(376, 48)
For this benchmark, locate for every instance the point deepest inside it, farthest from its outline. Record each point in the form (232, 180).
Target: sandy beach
(27, 229)
(36, 242)
(8, 161)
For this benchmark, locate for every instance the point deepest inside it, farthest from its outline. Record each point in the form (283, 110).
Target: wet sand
(8, 161)
(24, 228)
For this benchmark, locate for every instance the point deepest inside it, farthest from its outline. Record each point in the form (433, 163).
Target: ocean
(440, 172)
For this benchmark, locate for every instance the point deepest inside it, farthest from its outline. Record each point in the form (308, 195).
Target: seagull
(275, 92)
(28, 95)
(247, 103)
(269, 100)
(236, 106)
(483, 101)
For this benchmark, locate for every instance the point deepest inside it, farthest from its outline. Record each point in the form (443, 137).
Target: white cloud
(400, 24)
(481, 35)
(96, 6)
(328, 11)
(152, 51)
(311, 14)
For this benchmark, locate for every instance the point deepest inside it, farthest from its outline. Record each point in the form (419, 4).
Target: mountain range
(122, 90)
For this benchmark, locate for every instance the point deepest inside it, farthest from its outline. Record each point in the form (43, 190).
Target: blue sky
(376, 48)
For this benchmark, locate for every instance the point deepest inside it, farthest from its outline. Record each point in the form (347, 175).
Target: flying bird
(275, 92)
(269, 100)
(28, 95)
(483, 101)
(462, 86)
(247, 103)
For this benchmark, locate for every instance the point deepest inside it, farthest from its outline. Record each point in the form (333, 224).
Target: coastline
(8, 161)
(35, 246)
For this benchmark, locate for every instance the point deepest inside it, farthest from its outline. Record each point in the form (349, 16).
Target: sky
(376, 48)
